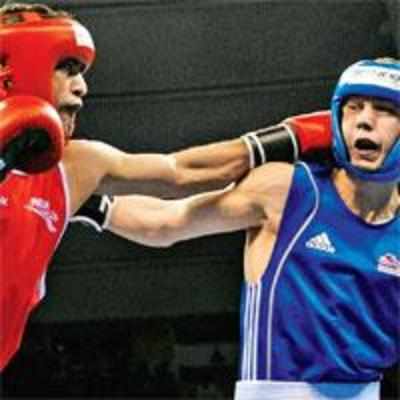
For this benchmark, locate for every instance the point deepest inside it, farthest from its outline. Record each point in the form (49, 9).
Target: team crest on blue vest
(389, 264)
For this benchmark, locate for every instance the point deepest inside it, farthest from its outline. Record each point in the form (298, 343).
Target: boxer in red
(46, 176)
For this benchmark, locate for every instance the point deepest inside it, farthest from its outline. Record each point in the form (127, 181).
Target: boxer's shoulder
(77, 147)
(270, 175)
(85, 163)
(88, 153)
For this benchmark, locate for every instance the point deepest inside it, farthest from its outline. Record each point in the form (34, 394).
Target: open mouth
(366, 150)
(71, 109)
(365, 144)
(68, 116)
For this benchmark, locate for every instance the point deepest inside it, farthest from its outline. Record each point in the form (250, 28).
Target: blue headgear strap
(379, 79)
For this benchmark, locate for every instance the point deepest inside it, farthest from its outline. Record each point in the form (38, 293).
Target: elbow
(162, 227)
(168, 230)
(177, 175)
(162, 237)
(185, 172)
(171, 229)
(157, 235)
(180, 177)
(166, 243)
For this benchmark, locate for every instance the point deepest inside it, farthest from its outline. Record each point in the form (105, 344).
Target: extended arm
(193, 170)
(88, 163)
(179, 174)
(156, 222)
(213, 166)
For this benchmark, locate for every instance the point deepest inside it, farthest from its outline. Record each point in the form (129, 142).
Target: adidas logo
(321, 242)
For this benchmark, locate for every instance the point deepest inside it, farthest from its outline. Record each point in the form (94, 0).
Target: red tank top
(33, 217)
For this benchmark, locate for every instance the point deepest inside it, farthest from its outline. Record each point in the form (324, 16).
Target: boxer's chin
(367, 154)
(68, 122)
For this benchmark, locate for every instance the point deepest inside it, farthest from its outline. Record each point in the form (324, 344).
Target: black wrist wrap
(95, 212)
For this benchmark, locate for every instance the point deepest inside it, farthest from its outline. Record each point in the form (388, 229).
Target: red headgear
(30, 50)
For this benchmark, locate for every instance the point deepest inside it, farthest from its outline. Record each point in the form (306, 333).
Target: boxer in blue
(320, 302)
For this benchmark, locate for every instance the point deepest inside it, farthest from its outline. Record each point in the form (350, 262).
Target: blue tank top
(327, 308)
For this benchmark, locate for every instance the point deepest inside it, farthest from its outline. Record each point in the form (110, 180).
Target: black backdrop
(170, 74)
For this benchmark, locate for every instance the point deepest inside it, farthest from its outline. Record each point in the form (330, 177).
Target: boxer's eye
(353, 105)
(387, 108)
(71, 66)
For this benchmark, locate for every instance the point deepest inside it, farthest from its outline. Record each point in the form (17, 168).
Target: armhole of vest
(307, 179)
(66, 191)
(303, 182)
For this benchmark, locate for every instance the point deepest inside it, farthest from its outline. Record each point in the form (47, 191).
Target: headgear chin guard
(32, 47)
(370, 78)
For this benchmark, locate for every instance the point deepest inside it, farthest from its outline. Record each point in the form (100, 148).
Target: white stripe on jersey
(280, 267)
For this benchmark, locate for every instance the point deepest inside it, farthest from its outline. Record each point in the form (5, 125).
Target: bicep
(267, 187)
(227, 210)
(232, 210)
(84, 171)
(107, 160)
(88, 163)
(141, 167)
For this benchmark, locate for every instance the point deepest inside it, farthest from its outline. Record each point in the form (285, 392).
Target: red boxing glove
(313, 131)
(31, 135)
(301, 136)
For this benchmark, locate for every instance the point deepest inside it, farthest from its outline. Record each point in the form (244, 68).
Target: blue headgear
(367, 78)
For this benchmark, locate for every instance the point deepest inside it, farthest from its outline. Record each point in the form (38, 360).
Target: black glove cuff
(95, 212)
(275, 143)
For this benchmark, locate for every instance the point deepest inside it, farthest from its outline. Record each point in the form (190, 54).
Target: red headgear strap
(32, 48)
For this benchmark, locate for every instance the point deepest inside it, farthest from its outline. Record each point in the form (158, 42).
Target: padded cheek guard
(32, 48)
(373, 79)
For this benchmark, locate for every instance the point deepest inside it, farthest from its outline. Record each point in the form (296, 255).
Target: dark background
(121, 320)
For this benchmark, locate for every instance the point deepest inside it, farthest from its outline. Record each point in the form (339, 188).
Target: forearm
(304, 136)
(215, 164)
(160, 223)
(145, 220)
(180, 174)
(141, 219)
(211, 166)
